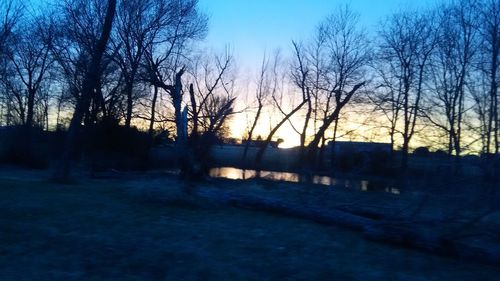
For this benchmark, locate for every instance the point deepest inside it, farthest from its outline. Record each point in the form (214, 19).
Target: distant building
(359, 147)
(259, 143)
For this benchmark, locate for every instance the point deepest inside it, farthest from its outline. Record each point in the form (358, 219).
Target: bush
(490, 165)
(421, 151)
(349, 162)
(111, 146)
(377, 162)
(197, 159)
(440, 154)
(26, 147)
(162, 137)
(380, 163)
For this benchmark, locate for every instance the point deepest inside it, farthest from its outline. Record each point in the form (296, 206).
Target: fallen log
(421, 236)
(434, 241)
(314, 213)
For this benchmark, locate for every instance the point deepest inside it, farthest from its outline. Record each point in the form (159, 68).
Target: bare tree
(347, 52)
(212, 94)
(300, 77)
(79, 27)
(406, 46)
(212, 101)
(277, 95)
(264, 89)
(479, 89)
(10, 14)
(451, 67)
(90, 83)
(274, 129)
(489, 28)
(30, 61)
(387, 96)
(165, 60)
(139, 25)
(176, 94)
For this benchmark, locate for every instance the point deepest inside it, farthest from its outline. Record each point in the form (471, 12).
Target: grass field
(112, 230)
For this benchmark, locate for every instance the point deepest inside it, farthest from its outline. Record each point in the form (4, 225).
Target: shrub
(111, 146)
(421, 151)
(349, 162)
(380, 163)
(26, 147)
(197, 158)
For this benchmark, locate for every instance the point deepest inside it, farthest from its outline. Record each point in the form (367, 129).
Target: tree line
(430, 73)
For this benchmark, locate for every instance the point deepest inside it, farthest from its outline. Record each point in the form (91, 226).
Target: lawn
(112, 230)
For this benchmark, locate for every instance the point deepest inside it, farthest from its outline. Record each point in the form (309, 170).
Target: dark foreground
(115, 230)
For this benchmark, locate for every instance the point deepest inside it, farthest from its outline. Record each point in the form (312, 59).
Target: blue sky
(252, 27)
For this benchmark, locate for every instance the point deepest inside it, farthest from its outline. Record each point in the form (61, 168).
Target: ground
(115, 230)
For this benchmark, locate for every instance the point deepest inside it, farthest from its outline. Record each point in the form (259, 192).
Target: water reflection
(281, 176)
(324, 180)
(232, 173)
(242, 174)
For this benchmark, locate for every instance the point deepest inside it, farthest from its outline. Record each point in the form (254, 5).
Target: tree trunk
(492, 133)
(404, 156)
(312, 150)
(250, 133)
(30, 108)
(89, 84)
(334, 141)
(128, 94)
(497, 120)
(194, 108)
(322, 152)
(313, 145)
(153, 111)
(303, 135)
(177, 101)
(260, 153)
(393, 142)
(406, 132)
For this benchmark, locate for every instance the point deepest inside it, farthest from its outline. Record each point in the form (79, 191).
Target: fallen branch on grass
(428, 237)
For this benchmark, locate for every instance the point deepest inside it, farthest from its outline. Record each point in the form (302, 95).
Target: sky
(253, 27)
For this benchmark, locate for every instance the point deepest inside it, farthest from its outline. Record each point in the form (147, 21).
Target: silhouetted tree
(277, 94)
(212, 101)
(407, 42)
(165, 60)
(11, 13)
(139, 25)
(489, 30)
(347, 54)
(90, 80)
(212, 94)
(450, 67)
(30, 62)
(300, 77)
(265, 88)
(79, 27)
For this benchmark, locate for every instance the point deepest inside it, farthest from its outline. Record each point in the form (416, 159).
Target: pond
(242, 174)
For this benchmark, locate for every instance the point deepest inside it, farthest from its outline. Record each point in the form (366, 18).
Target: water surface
(243, 174)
